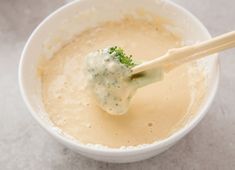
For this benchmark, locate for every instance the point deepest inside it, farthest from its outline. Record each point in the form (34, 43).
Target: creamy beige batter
(156, 110)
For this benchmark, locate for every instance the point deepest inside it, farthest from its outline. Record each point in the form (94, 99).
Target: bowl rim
(134, 149)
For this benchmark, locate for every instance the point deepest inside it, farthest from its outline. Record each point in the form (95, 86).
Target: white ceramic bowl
(71, 19)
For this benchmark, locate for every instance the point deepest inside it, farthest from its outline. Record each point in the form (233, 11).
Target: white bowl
(71, 19)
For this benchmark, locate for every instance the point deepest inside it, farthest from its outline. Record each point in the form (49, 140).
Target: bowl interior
(68, 21)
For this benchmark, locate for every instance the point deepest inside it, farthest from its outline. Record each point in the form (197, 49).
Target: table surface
(25, 145)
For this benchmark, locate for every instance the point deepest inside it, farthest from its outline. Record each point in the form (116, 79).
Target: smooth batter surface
(156, 110)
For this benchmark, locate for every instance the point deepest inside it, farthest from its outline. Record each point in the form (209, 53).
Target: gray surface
(24, 145)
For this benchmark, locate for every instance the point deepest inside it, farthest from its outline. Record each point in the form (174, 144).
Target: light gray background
(25, 145)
